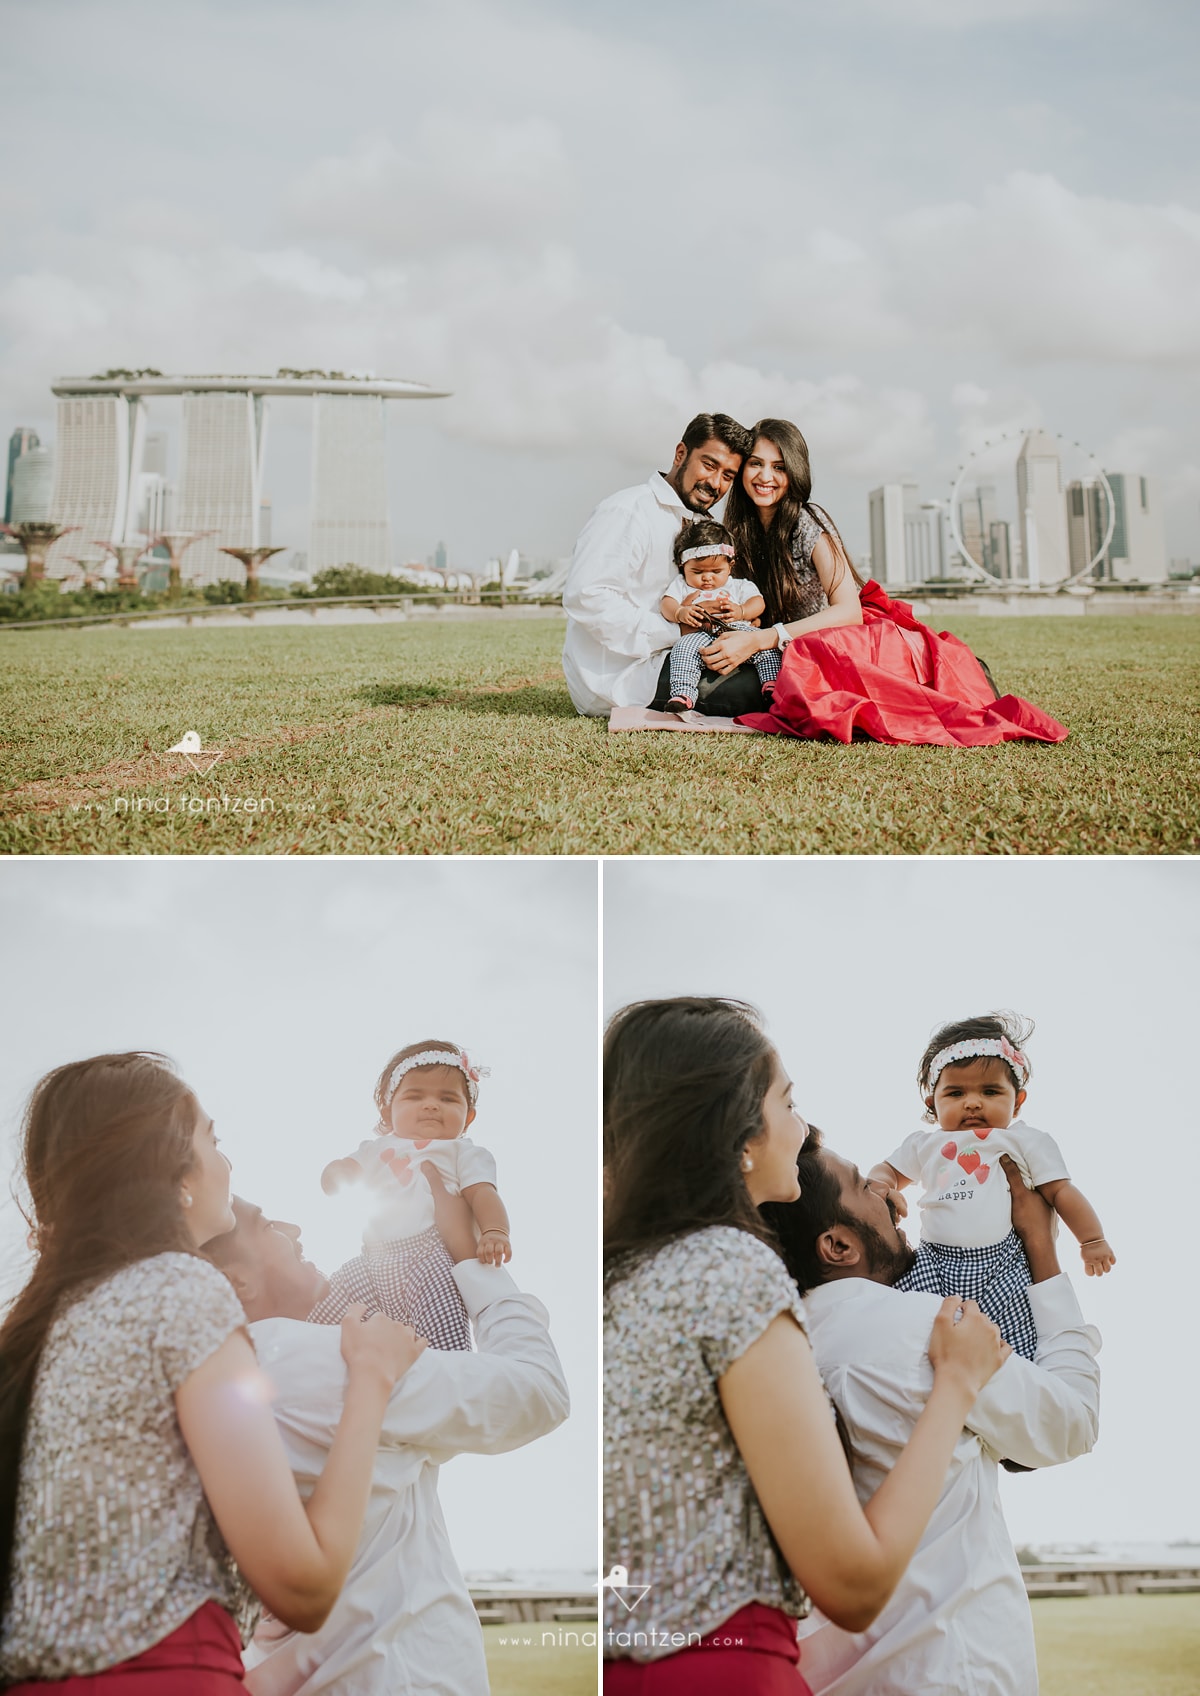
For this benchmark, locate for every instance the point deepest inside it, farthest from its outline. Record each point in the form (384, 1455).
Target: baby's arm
(340, 1172)
(684, 613)
(752, 609)
(894, 1182)
(492, 1219)
(1083, 1222)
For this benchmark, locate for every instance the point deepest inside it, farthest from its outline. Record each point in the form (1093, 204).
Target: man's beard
(893, 1260)
(689, 500)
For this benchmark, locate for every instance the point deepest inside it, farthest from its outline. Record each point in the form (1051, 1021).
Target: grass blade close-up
(459, 737)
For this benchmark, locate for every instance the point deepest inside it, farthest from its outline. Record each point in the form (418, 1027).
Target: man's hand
(1033, 1221)
(452, 1216)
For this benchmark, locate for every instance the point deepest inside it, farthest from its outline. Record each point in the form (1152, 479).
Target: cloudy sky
(864, 959)
(906, 224)
(281, 988)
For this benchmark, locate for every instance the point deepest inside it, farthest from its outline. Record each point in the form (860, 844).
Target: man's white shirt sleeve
(1045, 1411)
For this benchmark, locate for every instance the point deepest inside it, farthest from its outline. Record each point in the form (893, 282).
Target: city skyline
(1005, 236)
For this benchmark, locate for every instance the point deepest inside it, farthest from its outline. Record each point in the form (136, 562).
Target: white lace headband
(438, 1057)
(974, 1048)
(705, 552)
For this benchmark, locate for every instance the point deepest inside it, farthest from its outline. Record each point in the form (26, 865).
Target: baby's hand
(1098, 1258)
(338, 1173)
(494, 1248)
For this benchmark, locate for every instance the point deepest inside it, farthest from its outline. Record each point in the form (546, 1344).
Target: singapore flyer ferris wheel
(972, 466)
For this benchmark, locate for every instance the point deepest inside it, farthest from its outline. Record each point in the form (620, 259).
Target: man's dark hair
(1014, 1026)
(717, 427)
(798, 1224)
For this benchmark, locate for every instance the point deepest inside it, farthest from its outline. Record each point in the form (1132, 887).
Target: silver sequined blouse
(680, 1512)
(115, 1544)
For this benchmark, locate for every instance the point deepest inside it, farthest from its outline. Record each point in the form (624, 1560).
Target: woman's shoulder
(710, 1263)
(173, 1269)
(806, 535)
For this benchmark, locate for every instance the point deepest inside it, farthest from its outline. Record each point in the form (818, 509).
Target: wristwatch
(781, 631)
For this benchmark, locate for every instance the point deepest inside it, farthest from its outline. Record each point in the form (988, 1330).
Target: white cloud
(1031, 270)
(1038, 272)
(463, 180)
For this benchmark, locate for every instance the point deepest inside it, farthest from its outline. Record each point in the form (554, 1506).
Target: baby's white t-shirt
(739, 589)
(966, 1202)
(406, 1200)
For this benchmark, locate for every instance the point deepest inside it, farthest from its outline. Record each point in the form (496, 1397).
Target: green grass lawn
(1118, 1645)
(521, 1664)
(460, 738)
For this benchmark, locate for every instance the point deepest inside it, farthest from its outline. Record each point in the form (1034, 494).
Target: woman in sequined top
(728, 1502)
(146, 1502)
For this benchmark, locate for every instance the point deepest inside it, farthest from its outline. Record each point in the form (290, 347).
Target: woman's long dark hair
(106, 1145)
(767, 553)
(684, 1084)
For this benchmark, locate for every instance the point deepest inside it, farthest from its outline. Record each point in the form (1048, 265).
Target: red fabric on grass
(894, 680)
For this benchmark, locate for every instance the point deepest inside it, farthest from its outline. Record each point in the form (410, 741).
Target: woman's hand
(378, 1347)
(733, 649)
(965, 1345)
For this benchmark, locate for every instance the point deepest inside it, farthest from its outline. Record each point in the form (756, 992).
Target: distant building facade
(31, 497)
(22, 441)
(1138, 550)
(1042, 509)
(350, 506)
(98, 448)
(928, 549)
(220, 479)
(886, 508)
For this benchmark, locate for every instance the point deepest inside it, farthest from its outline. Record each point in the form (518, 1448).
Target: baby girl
(426, 1097)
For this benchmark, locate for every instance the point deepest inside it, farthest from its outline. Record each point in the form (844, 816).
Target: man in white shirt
(959, 1622)
(404, 1624)
(616, 635)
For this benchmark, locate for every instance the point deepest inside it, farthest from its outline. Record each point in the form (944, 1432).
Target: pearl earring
(747, 1164)
(187, 1198)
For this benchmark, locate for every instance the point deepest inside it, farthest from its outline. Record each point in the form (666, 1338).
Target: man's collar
(667, 495)
(827, 1296)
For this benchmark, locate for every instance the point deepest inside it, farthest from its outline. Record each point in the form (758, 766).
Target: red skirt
(892, 679)
(203, 1657)
(754, 1652)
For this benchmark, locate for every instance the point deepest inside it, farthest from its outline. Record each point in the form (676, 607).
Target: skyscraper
(976, 514)
(220, 480)
(32, 494)
(1042, 509)
(21, 441)
(886, 508)
(1137, 552)
(1087, 520)
(350, 508)
(928, 549)
(97, 454)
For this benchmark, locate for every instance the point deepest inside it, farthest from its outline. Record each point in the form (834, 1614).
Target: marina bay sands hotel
(99, 457)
